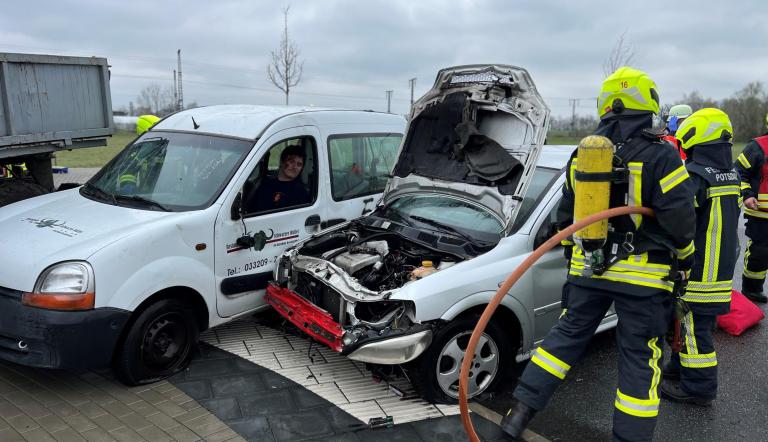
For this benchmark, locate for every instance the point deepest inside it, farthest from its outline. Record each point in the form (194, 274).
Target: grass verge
(94, 156)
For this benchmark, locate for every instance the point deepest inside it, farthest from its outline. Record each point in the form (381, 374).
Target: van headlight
(63, 286)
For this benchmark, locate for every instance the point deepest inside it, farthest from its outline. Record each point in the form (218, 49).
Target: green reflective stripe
(653, 362)
(712, 248)
(723, 191)
(745, 185)
(709, 286)
(656, 269)
(754, 275)
(636, 407)
(550, 363)
(572, 173)
(628, 278)
(690, 296)
(690, 335)
(635, 191)
(744, 161)
(674, 178)
(686, 252)
(756, 213)
(702, 360)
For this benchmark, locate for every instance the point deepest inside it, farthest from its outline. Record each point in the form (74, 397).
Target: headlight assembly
(64, 286)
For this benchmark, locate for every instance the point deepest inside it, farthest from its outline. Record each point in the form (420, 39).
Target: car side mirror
(236, 211)
(547, 230)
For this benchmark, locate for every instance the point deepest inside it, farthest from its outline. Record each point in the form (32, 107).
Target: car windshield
(541, 181)
(169, 171)
(450, 215)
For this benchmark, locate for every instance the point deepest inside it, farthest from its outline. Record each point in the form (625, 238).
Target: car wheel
(436, 372)
(158, 344)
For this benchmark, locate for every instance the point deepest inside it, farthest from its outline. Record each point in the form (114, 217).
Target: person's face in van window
(290, 168)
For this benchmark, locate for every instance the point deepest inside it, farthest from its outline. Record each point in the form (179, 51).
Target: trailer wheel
(158, 344)
(13, 190)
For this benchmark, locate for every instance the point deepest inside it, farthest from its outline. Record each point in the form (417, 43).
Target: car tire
(158, 344)
(13, 190)
(435, 373)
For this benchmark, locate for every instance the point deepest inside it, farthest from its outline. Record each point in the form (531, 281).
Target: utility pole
(175, 92)
(389, 101)
(573, 102)
(412, 81)
(181, 89)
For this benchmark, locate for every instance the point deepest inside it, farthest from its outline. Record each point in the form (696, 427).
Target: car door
(359, 165)
(248, 242)
(550, 271)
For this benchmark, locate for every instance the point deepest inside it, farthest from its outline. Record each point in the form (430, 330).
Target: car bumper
(57, 339)
(319, 324)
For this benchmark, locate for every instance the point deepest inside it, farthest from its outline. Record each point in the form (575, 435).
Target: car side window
(548, 227)
(361, 163)
(284, 179)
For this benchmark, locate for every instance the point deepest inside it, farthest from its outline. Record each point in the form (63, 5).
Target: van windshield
(169, 171)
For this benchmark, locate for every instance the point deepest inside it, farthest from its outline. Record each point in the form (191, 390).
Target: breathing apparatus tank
(592, 189)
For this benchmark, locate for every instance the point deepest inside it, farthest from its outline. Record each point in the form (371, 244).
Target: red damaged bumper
(311, 319)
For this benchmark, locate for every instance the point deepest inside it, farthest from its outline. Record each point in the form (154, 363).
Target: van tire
(159, 343)
(13, 190)
(423, 372)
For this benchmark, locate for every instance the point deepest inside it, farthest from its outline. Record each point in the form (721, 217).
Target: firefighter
(642, 257)
(145, 122)
(691, 375)
(677, 114)
(752, 167)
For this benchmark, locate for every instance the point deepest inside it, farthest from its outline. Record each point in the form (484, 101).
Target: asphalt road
(582, 408)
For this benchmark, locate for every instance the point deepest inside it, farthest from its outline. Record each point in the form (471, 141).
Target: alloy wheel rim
(485, 364)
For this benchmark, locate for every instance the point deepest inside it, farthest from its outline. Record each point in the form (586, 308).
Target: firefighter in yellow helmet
(752, 166)
(145, 122)
(691, 375)
(642, 257)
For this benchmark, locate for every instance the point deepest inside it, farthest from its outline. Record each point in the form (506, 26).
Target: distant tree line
(746, 108)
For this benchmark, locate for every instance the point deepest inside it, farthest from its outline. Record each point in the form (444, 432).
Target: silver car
(469, 198)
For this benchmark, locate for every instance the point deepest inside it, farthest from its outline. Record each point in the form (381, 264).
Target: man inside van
(287, 189)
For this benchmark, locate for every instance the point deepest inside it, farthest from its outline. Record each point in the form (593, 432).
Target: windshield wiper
(97, 191)
(444, 227)
(141, 199)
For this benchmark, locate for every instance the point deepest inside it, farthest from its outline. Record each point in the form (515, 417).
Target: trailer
(48, 103)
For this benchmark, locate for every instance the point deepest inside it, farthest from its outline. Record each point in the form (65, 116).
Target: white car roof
(249, 121)
(555, 156)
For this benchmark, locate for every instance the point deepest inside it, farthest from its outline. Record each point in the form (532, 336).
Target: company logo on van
(56, 225)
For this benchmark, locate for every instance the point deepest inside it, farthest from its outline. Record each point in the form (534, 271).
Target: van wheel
(158, 344)
(435, 374)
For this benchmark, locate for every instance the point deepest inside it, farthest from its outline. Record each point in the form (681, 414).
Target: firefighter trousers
(643, 320)
(697, 361)
(756, 255)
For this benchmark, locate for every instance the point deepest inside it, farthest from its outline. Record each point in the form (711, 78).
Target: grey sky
(355, 50)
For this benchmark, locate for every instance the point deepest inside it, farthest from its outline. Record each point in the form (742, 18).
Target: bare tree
(622, 54)
(286, 69)
(156, 99)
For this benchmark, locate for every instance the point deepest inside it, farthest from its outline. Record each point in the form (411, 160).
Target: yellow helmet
(145, 122)
(703, 126)
(627, 89)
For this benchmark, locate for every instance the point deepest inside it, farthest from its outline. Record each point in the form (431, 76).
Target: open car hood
(476, 135)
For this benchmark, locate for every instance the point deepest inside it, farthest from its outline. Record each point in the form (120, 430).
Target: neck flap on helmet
(620, 128)
(715, 154)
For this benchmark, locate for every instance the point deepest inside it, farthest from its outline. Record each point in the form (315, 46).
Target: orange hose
(466, 365)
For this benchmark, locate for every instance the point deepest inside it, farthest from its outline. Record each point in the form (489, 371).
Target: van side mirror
(236, 211)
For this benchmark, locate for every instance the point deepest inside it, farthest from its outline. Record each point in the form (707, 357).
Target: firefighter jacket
(717, 200)
(753, 172)
(675, 144)
(655, 178)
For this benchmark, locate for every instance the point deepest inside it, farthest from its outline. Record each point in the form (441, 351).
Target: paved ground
(74, 175)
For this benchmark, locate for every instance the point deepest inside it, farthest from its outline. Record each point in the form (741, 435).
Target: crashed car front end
(463, 167)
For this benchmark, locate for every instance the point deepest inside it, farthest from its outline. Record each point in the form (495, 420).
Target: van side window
(285, 178)
(361, 163)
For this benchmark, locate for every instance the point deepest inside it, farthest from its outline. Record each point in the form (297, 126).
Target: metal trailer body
(50, 103)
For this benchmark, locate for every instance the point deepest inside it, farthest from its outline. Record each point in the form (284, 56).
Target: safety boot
(675, 393)
(517, 418)
(753, 289)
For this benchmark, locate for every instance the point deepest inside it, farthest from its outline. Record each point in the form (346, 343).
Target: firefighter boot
(675, 393)
(753, 289)
(517, 418)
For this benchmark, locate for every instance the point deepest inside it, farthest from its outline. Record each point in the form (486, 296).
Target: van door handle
(313, 220)
(331, 222)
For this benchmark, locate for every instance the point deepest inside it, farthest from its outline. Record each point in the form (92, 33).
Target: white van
(180, 232)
